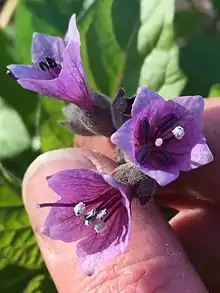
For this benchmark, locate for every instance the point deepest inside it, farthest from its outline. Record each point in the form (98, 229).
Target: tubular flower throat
(164, 137)
(95, 209)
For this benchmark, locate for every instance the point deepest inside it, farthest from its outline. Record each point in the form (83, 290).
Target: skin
(182, 256)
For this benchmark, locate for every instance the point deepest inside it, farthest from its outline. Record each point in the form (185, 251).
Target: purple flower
(164, 137)
(57, 69)
(95, 209)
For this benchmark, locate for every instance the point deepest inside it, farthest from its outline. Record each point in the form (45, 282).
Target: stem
(7, 12)
(10, 179)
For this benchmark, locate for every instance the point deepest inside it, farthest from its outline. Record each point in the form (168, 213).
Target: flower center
(150, 142)
(50, 65)
(94, 217)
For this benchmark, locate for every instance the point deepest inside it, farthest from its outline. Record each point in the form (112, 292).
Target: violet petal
(73, 77)
(50, 88)
(72, 32)
(94, 251)
(144, 98)
(97, 249)
(200, 154)
(27, 71)
(162, 177)
(123, 138)
(47, 46)
(141, 155)
(76, 185)
(70, 86)
(193, 104)
(63, 224)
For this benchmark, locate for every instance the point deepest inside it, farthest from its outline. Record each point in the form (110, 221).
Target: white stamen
(101, 214)
(158, 142)
(79, 208)
(178, 132)
(89, 217)
(89, 222)
(91, 213)
(100, 227)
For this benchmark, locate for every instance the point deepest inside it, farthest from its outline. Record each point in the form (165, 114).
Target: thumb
(154, 262)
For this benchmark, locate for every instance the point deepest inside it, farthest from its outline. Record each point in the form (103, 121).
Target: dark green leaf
(200, 62)
(44, 16)
(17, 242)
(40, 284)
(23, 101)
(52, 135)
(216, 4)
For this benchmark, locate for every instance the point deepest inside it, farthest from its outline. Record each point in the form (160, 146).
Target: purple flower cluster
(164, 137)
(156, 138)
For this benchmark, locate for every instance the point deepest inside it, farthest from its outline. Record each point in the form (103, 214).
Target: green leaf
(52, 135)
(188, 24)
(44, 16)
(14, 137)
(216, 4)
(160, 69)
(20, 258)
(14, 278)
(40, 284)
(215, 91)
(17, 242)
(125, 51)
(23, 101)
(200, 62)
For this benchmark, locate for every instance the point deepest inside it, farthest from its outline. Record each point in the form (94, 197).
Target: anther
(44, 66)
(100, 227)
(51, 62)
(178, 132)
(90, 215)
(166, 123)
(101, 214)
(158, 142)
(79, 208)
(88, 222)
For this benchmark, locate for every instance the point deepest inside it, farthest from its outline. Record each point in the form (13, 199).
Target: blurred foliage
(148, 43)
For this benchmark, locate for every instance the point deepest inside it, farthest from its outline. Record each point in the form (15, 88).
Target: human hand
(155, 261)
